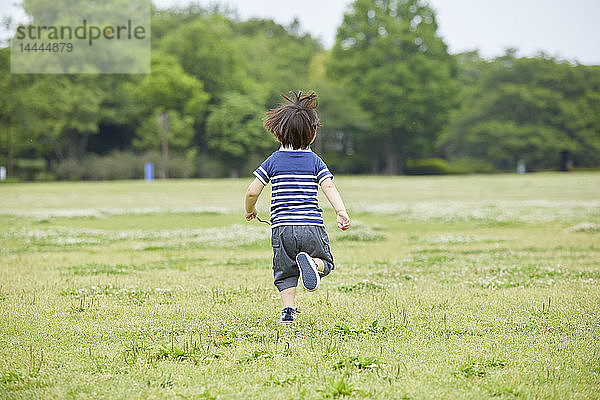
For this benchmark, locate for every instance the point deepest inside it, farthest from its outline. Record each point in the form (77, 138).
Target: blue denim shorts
(289, 240)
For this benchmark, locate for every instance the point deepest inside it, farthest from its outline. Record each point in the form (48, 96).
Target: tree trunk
(83, 145)
(393, 162)
(9, 166)
(163, 122)
(564, 161)
(57, 150)
(48, 163)
(71, 148)
(374, 164)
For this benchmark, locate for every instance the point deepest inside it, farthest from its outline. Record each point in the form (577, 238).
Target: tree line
(392, 100)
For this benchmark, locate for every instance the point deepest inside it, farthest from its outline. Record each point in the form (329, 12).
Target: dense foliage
(389, 54)
(537, 111)
(392, 100)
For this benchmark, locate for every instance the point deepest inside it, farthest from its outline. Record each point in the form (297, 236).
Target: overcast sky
(564, 29)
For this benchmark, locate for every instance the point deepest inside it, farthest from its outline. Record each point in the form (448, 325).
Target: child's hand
(251, 215)
(343, 220)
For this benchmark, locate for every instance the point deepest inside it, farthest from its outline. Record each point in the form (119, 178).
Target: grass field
(446, 287)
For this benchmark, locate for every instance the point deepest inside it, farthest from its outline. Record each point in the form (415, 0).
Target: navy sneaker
(288, 316)
(308, 271)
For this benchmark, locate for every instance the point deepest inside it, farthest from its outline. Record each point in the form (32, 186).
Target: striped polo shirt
(295, 176)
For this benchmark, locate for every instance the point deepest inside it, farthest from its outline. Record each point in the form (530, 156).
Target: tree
(205, 49)
(536, 110)
(389, 54)
(234, 130)
(343, 134)
(169, 87)
(171, 103)
(91, 53)
(9, 111)
(59, 113)
(277, 59)
(49, 116)
(180, 131)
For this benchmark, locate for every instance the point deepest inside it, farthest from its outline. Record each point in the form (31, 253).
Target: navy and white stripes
(295, 176)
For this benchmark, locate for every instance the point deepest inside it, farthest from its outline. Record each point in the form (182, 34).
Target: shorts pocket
(275, 241)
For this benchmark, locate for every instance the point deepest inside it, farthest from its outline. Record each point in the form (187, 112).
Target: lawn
(457, 287)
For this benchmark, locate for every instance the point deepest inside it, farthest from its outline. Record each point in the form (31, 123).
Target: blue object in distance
(149, 172)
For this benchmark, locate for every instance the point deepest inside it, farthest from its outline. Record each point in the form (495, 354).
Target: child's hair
(295, 123)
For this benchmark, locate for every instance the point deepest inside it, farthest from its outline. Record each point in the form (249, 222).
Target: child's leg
(315, 243)
(288, 296)
(320, 265)
(285, 271)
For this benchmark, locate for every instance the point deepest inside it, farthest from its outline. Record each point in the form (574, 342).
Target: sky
(564, 29)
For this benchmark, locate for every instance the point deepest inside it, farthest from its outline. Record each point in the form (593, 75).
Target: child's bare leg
(287, 297)
(320, 265)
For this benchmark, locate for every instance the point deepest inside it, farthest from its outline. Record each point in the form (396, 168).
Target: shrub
(122, 165)
(180, 167)
(27, 169)
(342, 163)
(44, 177)
(207, 166)
(70, 170)
(426, 166)
(116, 165)
(468, 165)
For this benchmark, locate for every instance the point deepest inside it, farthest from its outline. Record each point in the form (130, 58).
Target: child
(298, 237)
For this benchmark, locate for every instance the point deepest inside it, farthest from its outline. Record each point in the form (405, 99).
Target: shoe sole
(308, 272)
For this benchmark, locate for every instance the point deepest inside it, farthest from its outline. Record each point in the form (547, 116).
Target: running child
(298, 237)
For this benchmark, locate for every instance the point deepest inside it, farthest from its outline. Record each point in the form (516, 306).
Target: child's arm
(254, 190)
(343, 219)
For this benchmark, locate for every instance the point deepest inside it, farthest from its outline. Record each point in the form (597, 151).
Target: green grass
(445, 287)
